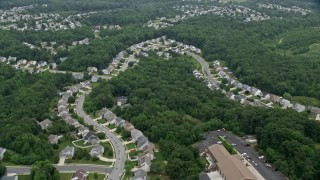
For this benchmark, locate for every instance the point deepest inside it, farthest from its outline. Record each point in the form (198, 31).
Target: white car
(233, 144)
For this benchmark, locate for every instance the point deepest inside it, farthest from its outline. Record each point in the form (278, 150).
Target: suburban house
(92, 69)
(97, 150)
(274, 98)
(83, 130)
(95, 79)
(67, 152)
(246, 88)
(149, 150)
(120, 122)
(3, 59)
(128, 126)
(314, 110)
(135, 134)
(144, 162)
(139, 175)
(53, 139)
(299, 107)
(2, 151)
(285, 103)
(91, 138)
(106, 71)
(45, 124)
(142, 142)
(229, 166)
(110, 116)
(239, 97)
(256, 92)
(80, 175)
(122, 100)
(78, 76)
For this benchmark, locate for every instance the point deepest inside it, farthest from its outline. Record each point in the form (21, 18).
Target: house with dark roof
(80, 175)
(45, 124)
(91, 137)
(122, 100)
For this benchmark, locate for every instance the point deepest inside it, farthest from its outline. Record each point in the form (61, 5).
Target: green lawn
(111, 126)
(66, 176)
(131, 146)
(83, 161)
(102, 121)
(24, 177)
(159, 157)
(108, 151)
(81, 143)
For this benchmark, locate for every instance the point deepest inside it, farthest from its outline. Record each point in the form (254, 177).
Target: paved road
(64, 168)
(120, 150)
(205, 69)
(241, 147)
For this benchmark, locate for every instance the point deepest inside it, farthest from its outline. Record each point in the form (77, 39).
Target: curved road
(205, 69)
(120, 149)
(64, 168)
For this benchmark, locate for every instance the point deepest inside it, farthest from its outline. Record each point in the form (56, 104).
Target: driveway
(120, 150)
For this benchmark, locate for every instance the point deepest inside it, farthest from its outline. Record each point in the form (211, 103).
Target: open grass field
(308, 101)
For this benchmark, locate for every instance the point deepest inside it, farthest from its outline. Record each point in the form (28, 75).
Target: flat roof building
(229, 166)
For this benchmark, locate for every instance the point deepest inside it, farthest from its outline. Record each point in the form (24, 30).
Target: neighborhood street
(120, 150)
(205, 69)
(64, 168)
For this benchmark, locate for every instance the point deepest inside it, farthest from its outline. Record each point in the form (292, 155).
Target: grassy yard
(102, 121)
(65, 176)
(83, 161)
(159, 157)
(191, 119)
(24, 177)
(111, 126)
(108, 151)
(131, 146)
(81, 143)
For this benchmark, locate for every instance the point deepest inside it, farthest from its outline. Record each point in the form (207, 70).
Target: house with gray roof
(144, 162)
(139, 175)
(3, 59)
(97, 150)
(299, 107)
(45, 124)
(53, 139)
(78, 76)
(95, 78)
(142, 142)
(285, 103)
(67, 152)
(314, 110)
(135, 134)
(120, 122)
(2, 151)
(91, 137)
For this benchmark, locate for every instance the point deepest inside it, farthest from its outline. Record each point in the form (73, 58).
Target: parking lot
(247, 152)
